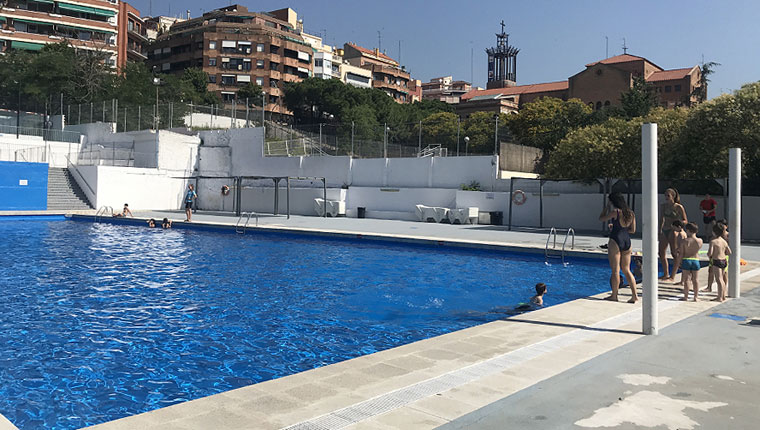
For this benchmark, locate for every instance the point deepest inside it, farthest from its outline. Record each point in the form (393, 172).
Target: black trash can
(497, 218)
(361, 212)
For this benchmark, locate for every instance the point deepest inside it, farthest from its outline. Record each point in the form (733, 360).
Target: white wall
(205, 120)
(34, 149)
(143, 189)
(99, 131)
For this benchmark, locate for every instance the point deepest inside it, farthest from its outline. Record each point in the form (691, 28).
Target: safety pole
(324, 194)
(734, 220)
(352, 139)
(649, 228)
(419, 143)
(287, 195)
(511, 191)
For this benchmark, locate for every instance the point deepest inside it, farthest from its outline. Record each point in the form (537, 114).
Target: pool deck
(472, 378)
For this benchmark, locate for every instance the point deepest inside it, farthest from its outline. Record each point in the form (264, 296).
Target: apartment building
(132, 41)
(387, 74)
(236, 47)
(600, 85)
(445, 89)
(85, 24)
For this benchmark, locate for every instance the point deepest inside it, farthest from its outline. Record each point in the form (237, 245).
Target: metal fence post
(541, 203)
(458, 123)
(352, 139)
(419, 143)
(139, 112)
(511, 191)
(125, 119)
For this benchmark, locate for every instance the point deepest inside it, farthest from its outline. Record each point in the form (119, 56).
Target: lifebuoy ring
(519, 197)
(225, 190)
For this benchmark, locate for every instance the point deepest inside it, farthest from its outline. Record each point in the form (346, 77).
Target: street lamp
(263, 103)
(157, 83)
(386, 129)
(466, 145)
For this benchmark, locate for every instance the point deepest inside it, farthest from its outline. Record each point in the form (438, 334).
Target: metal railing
(44, 133)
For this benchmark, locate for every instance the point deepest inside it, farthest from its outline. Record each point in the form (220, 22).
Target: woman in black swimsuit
(623, 223)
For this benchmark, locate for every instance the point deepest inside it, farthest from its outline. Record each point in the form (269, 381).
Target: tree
(195, 82)
(707, 69)
(480, 127)
(639, 100)
(250, 92)
(612, 149)
(440, 129)
(543, 123)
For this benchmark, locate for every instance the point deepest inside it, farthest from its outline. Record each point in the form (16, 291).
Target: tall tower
(502, 62)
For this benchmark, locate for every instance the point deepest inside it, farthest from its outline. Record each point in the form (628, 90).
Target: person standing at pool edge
(623, 222)
(670, 211)
(189, 199)
(708, 206)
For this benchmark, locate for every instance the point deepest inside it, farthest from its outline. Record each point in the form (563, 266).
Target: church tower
(502, 62)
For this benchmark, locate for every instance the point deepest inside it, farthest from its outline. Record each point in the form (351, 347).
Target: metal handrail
(76, 169)
(570, 231)
(240, 230)
(102, 211)
(546, 249)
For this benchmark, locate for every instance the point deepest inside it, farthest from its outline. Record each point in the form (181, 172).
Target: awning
(243, 78)
(27, 45)
(86, 9)
(240, 42)
(302, 70)
(31, 21)
(44, 1)
(228, 44)
(303, 56)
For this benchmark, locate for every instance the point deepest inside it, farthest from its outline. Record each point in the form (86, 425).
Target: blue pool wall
(14, 196)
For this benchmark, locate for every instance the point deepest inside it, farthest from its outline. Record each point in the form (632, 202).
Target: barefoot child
(717, 254)
(538, 299)
(679, 236)
(690, 263)
(710, 275)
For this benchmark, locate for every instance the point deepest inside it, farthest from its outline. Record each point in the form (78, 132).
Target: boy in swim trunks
(538, 299)
(690, 263)
(718, 253)
(723, 224)
(680, 236)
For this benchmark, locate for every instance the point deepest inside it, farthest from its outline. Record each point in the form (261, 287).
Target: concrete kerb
(448, 353)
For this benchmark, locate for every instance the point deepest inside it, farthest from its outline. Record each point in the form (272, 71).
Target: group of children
(165, 223)
(687, 256)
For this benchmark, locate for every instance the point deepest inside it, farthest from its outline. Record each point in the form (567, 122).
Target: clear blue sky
(556, 39)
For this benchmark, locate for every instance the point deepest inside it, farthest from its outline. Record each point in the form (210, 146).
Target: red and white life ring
(519, 197)
(225, 190)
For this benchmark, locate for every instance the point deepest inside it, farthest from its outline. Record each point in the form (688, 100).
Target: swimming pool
(104, 321)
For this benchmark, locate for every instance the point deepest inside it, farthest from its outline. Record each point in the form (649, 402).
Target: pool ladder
(554, 252)
(103, 211)
(240, 229)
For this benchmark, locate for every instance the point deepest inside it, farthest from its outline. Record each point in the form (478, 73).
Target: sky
(556, 38)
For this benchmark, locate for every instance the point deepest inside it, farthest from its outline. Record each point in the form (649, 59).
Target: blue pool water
(103, 321)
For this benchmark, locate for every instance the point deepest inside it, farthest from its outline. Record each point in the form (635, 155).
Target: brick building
(132, 41)
(235, 47)
(600, 85)
(387, 74)
(85, 24)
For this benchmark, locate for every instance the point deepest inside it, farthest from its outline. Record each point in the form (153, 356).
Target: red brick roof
(624, 58)
(520, 89)
(669, 75)
(371, 52)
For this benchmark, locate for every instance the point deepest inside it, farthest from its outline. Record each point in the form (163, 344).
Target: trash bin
(497, 218)
(361, 212)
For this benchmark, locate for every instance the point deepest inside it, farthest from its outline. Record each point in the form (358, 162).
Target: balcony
(137, 55)
(141, 36)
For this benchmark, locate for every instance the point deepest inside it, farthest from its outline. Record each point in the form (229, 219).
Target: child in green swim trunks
(690, 262)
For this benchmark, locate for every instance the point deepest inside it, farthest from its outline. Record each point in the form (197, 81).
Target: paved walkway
(702, 372)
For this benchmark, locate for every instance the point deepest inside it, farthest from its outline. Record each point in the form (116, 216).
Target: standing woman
(623, 222)
(670, 211)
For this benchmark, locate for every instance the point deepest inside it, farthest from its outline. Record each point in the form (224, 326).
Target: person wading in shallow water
(189, 199)
(623, 222)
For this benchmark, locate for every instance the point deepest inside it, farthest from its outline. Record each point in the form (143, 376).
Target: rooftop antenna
(399, 51)
(379, 41)
(150, 7)
(625, 48)
(472, 56)
(606, 47)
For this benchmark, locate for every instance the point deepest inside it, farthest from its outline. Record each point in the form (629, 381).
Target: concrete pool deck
(437, 381)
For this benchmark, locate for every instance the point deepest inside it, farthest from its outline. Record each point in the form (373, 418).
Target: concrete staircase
(64, 192)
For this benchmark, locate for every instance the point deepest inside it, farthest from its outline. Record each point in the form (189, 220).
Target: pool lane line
(403, 396)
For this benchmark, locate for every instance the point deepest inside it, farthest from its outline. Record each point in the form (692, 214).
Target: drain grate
(396, 399)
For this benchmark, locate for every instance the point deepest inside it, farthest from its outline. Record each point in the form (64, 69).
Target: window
(606, 103)
(130, 26)
(318, 63)
(228, 79)
(273, 66)
(598, 105)
(273, 49)
(273, 83)
(677, 88)
(259, 64)
(212, 62)
(667, 88)
(228, 97)
(212, 79)
(259, 47)
(212, 45)
(260, 82)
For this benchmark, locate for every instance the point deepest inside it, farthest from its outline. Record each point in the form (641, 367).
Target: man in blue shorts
(189, 199)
